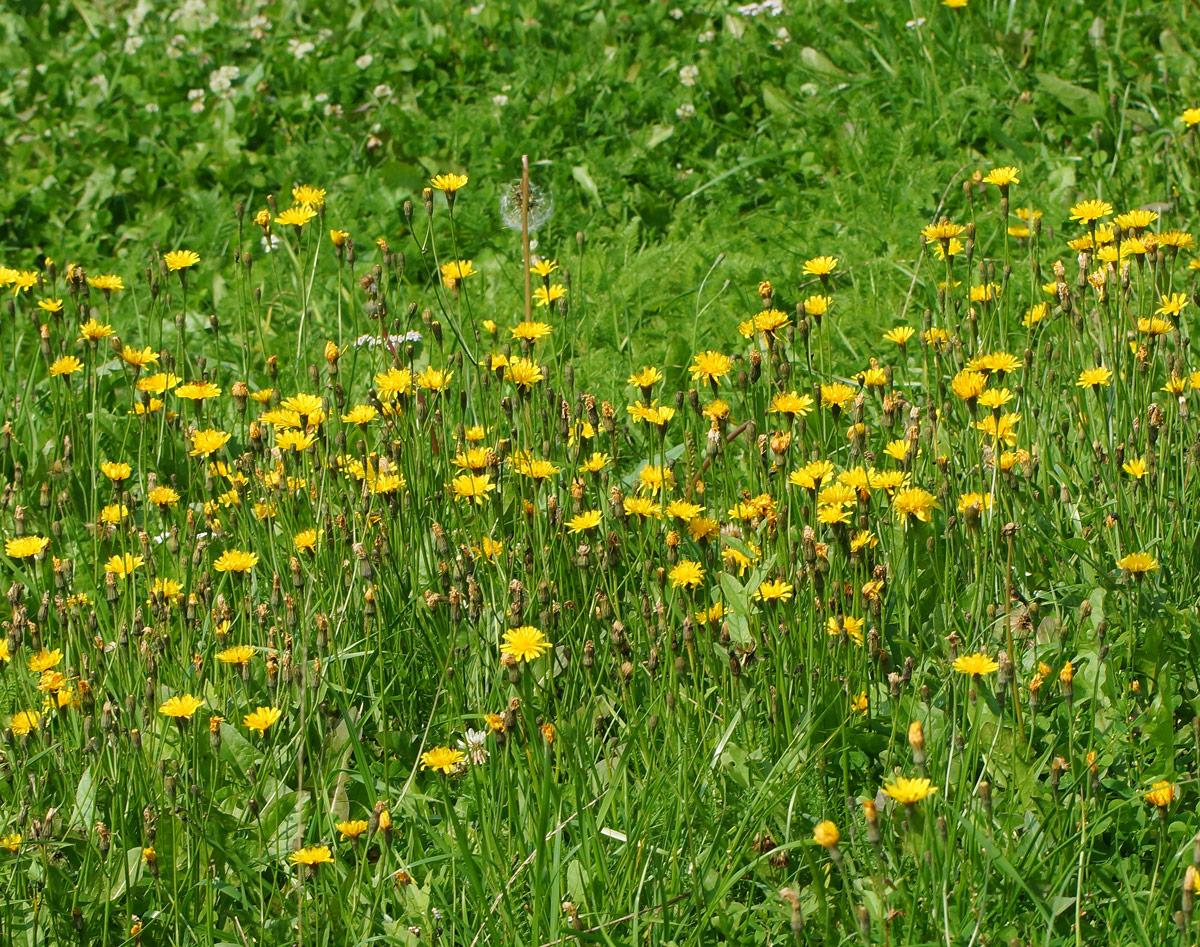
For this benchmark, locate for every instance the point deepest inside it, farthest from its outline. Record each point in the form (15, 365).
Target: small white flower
(475, 746)
(688, 75)
(364, 60)
(194, 94)
(333, 109)
(321, 97)
(477, 9)
(707, 36)
(686, 111)
(133, 44)
(916, 24)
(676, 14)
(382, 91)
(269, 244)
(299, 48)
(374, 144)
(198, 106)
(151, 107)
(501, 99)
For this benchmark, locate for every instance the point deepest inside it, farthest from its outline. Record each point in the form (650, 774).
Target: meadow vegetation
(793, 540)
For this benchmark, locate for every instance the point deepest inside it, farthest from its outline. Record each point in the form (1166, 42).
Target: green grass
(689, 762)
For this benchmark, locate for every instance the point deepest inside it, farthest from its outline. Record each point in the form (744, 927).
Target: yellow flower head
(524, 643)
(449, 183)
(1091, 210)
(181, 707)
(261, 719)
(909, 791)
(1002, 177)
(180, 259)
(443, 758)
(296, 216)
(975, 664)
(25, 547)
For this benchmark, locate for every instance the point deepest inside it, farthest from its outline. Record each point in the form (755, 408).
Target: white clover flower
(689, 74)
(364, 60)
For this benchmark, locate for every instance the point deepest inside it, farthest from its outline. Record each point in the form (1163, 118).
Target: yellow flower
(163, 496)
(181, 707)
(899, 335)
(180, 259)
(582, 522)
(1091, 210)
(710, 366)
(595, 463)
(530, 331)
(305, 541)
(124, 565)
(308, 196)
(1138, 563)
(44, 660)
(235, 560)
(943, 230)
(1190, 117)
(817, 305)
(976, 501)
(909, 791)
(442, 758)
(197, 390)
(775, 591)
(455, 270)
(472, 488)
(352, 829)
(524, 373)
(449, 183)
(261, 719)
(975, 664)
(836, 394)
(106, 283)
(93, 331)
(545, 295)
(914, 501)
(25, 547)
(687, 574)
(524, 643)
(791, 404)
(207, 442)
(1136, 468)
(50, 305)
(312, 856)
(1098, 377)
(238, 654)
(296, 216)
(24, 722)
(67, 365)
(1002, 177)
(434, 379)
(1161, 794)
(11, 842)
(139, 358)
(820, 266)
(1153, 325)
(544, 268)
(339, 237)
(360, 414)
(826, 834)
(1172, 304)
(115, 471)
(645, 378)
